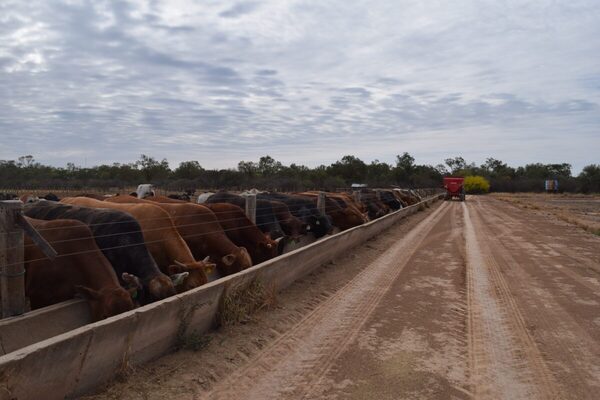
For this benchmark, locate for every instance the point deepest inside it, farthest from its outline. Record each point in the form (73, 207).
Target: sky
(97, 82)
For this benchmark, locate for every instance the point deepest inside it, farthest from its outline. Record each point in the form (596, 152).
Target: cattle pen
(64, 355)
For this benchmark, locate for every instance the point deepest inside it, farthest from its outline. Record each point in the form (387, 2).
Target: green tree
(188, 170)
(26, 161)
(267, 166)
(248, 168)
(152, 169)
(350, 168)
(379, 174)
(590, 178)
(456, 164)
(405, 165)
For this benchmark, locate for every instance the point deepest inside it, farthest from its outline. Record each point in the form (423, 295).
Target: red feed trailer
(454, 188)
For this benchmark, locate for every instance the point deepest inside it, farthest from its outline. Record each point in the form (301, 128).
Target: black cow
(51, 197)
(266, 219)
(119, 237)
(185, 196)
(303, 208)
(388, 198)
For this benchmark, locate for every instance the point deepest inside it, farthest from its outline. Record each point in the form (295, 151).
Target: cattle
(163, 199)
(342, 216)
(347, 201)
(303, 209)
(145, 189)
(251, 192)
(203, 197)
(119, 237)
(185, 196)
(167, 247)
(387, 197)
(399, 198)
(51, 197)
(79, 268)
(291, 226)
(29, 198)
(266, 220)
(92, 196)
(375, 208)
(408, 196)
(202, 233)
(344, 211)
(241, 231)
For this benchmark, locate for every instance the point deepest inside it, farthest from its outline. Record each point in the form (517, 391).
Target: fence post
(357, 196)
(321, 203)
(251, 207)
(12, 269)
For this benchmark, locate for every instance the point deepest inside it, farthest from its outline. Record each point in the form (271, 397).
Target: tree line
(268, 173)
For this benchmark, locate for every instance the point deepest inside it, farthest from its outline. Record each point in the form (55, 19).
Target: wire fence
(167, 219)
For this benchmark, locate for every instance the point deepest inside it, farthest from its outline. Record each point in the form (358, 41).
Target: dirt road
(468, 300)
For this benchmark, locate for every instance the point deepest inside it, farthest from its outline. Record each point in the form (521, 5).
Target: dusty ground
(577, 209)
(480, 299)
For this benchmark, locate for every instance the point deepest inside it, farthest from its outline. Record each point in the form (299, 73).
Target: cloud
(103, 81)
(239, 9)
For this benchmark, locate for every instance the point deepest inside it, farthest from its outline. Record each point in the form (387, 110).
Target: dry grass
(237, 305)
(526, 201)
(578, 223)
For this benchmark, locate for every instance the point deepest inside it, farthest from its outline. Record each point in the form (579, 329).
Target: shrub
(476, 184)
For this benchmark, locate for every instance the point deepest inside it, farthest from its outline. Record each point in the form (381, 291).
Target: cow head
(234, 262)
(159, 287)
(320, 225)
(29, 198)
(134, 287)
(106, 302)
(294, 227)
(353, 218)
(197, 274)
(244, 258)
(266, 250)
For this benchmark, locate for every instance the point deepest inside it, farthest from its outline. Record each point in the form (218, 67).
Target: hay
(237, 305)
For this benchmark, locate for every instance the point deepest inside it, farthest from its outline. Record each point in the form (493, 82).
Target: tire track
(293, 365)
(577, 258)
(566, 346)
(504, 361)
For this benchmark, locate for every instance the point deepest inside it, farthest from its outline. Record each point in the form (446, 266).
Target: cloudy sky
(95, 82)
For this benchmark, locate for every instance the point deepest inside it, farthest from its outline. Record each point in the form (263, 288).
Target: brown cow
(291, 226)
(375, 207)
(346, 200)
(202, 232)
(241, 231)
(343, 218)
(93, 196)
(405, 196)
(79, 268)
(167, 247)
(164, 199)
